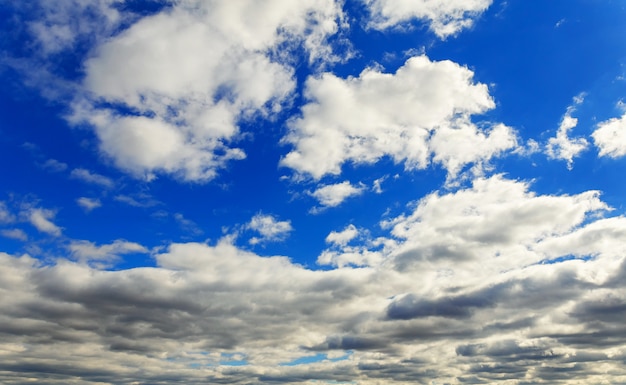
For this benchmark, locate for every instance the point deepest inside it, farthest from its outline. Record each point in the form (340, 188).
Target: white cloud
(5, 214)
(394, 115)
(377, 185)
(137, 200)
(187, 224)
(54, 165)
(270, 229)
(41, 219)
(88, 204)
(342, 238)
(91, 177)
(333, 195)
(445, 17)
(464, 143)
(85, 251)
(610, 137)
(192, 73)
(562, 146)
(14, 234)
(468, 230)
(64, 23)
(203, 304)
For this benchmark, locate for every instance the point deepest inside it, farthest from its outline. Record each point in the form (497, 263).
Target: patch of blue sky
(315, 358)
(233, 359)
(565, 258)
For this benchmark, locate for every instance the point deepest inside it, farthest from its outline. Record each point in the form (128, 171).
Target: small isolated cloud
(269, 228)
(334, 194)
(445, 17)
(88, 204)
(137, 200)
(41, 219)
(54, 165)
(342, 238)
(610, 137)
(562, 146)
(187, 224)
(91, 177)
(85, 251)
(18, 234)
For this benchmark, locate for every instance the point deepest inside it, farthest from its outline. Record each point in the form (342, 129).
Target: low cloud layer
(465, 285)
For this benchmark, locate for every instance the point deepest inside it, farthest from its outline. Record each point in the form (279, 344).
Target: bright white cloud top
(312, 192)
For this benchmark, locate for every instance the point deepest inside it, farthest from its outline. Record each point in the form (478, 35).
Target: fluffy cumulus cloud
(610, 137)
(333, 195)
(341, 238)
(268, 228)
(492, 283)
(421, 111)
(445, 17)
(167, 94)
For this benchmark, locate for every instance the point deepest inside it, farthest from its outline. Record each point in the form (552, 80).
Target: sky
(312, 192)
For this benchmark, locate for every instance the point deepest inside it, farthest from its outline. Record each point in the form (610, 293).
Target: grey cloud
(410, 306)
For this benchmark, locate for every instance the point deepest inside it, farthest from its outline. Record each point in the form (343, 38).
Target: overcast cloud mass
(312, 192)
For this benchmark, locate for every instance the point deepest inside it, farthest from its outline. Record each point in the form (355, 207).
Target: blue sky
(366, 191)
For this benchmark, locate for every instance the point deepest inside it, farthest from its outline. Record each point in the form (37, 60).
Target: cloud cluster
(167, 94)
(492, 283)
(421, 111)
(445, 18)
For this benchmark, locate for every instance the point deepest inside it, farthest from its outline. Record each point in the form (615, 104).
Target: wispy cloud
(91, 177)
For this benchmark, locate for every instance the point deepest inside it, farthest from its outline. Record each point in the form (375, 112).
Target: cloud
(190, 74)
(88, 204)
(610, 137)
(88, 252)
(495, 217)
(269, 228)
(5, 215)
(18, 234)
(64, 24)
(54, 165)
(187, 224)
(342, 238)
(137, 200)
(93, 178)
(409, 116)
(494, 315)
(563, 147)
(333, 195)
(41, 219)
(445, 18)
